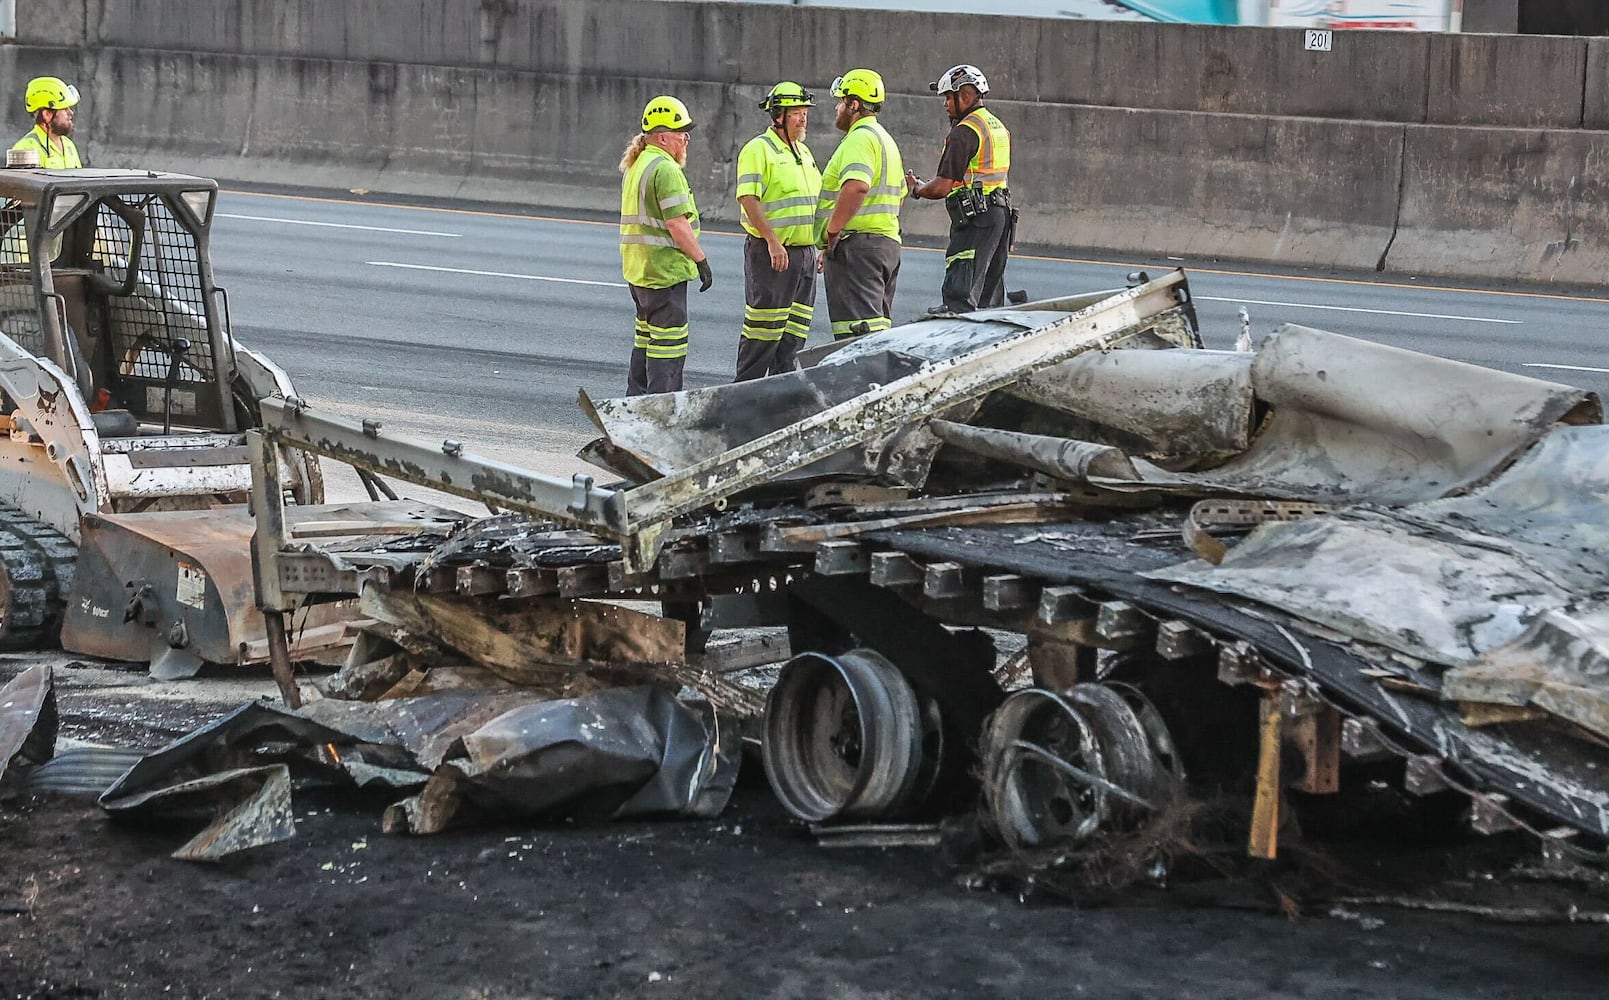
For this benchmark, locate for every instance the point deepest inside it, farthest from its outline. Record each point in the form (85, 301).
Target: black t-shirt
(960, 146)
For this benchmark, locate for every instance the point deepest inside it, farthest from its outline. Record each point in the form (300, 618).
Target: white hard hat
(957, 77)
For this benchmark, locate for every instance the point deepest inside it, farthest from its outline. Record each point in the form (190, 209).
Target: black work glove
(706, 277)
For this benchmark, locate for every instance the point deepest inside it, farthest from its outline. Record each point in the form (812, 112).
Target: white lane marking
(498, 274)
(1566, 368)
(1354, 309)
(334, 225)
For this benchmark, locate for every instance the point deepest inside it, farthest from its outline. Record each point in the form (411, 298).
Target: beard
(680, 156)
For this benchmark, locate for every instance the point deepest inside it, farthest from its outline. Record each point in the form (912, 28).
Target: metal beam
(446, 467)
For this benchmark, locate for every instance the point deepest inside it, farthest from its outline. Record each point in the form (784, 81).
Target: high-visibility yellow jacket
(787, 189)
(64, 158)
(992, 162)
(653, 190)
(867, 153)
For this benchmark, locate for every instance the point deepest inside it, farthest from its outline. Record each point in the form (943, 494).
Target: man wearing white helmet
(51, 102)
(971, 180)
(659, 248)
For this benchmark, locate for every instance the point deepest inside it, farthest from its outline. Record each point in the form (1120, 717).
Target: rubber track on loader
(38, 564)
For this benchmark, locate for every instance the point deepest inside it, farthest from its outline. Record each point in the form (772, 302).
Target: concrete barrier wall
(1182, 140)
(1376, 76)
(1505, 203)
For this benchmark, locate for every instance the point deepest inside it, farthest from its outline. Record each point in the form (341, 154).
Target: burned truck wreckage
(1056, 564)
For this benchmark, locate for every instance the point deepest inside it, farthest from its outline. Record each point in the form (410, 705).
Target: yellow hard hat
(49, 92)
(784, 95)
(666, 114)
(860, 83)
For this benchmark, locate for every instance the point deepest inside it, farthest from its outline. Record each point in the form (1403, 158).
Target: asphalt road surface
(447, 321)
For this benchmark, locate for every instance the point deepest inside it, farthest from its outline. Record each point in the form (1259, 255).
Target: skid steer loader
(124, 401)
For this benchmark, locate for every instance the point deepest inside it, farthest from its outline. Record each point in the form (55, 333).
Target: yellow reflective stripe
(664, 332)
(802, 200)
(764, 336)
(963, 255)
(644, 240)
(749, 179)
(755, 313)
(874, 324)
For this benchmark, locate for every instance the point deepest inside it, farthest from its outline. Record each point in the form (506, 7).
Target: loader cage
(156, 259)
(105, 273)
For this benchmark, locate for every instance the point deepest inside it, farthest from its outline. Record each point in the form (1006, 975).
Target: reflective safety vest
(653, 190)
(992, 161)
(867, 153)
(787, 190)
(65, 158)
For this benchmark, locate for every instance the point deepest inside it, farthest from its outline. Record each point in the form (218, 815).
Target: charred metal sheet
(254, 802)
(1074, 461)
(1349, 421)
(1362, 422)
(610, 754)
(670, 431)
(87, 771)
(1447, 580)
(234, 740)
(1560, 664)
(27, 723)
(1188, 403)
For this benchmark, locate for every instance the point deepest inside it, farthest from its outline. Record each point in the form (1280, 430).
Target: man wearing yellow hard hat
(857, 216)
(777, 188)
(659, 248)
(51, 101)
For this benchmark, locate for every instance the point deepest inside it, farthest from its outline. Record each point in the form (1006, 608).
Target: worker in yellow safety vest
(659, 247)
(777, 188)
(51, 102)
(972, 181)
(857, 217)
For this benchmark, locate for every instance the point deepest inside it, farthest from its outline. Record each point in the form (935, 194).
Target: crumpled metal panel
(672, 431)
(1350, 421)
(82, 771)
(638, 750)
(609, 754)
(1357, 421)
(27, 723)
(1446, 580)
(253, 803)
(1181, 402)
(1560, 665)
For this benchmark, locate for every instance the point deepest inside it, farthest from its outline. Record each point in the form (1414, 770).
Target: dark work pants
(659, 350)
(861, 274)
(777, 309)
(975, 260)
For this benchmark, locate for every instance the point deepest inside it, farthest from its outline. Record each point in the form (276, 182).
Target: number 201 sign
(1318, 39)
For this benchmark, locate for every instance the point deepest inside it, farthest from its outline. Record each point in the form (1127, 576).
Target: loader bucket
(175, 588)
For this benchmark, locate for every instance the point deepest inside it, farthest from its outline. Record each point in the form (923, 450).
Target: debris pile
(1291, 573)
